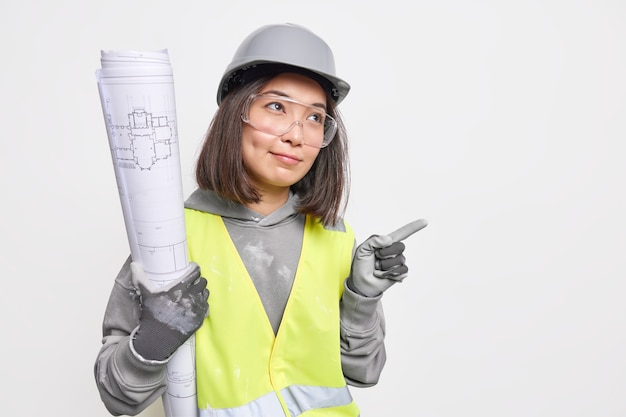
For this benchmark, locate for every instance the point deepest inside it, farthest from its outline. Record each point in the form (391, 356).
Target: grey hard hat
(279, 48)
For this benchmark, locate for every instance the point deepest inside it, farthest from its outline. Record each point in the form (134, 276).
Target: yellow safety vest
(242, 368)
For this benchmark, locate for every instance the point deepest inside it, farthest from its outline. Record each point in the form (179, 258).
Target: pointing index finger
(408, 229)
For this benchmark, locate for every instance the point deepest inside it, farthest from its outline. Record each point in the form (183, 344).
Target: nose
(294, 134)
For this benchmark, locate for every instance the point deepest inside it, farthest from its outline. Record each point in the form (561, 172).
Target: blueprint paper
(137, 96)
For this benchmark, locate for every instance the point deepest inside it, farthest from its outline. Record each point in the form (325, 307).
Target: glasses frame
(329, 130)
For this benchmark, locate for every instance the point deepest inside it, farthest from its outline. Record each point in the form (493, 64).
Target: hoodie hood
(209, 202)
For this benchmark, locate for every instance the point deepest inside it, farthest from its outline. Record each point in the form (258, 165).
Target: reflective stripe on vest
(244, 370)
(300, 398)
(267, 405)
(297, 398)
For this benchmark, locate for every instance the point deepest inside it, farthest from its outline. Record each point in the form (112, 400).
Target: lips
(287, 159)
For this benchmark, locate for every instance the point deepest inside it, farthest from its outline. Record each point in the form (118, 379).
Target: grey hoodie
(269, 247)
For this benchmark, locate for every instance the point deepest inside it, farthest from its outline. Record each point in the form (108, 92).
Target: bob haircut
(323, 191)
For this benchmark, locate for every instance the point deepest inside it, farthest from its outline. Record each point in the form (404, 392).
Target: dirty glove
(169, 314)
(379, 263)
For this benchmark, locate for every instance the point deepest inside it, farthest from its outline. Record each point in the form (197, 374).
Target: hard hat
(280, 48)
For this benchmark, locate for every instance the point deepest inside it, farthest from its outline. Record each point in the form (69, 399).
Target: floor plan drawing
(144, 140)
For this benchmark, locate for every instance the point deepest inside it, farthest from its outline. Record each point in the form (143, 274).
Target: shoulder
(341, 226)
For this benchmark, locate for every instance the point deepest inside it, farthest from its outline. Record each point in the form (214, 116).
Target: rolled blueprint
(137, 95)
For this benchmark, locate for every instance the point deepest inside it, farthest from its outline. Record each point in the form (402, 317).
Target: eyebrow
(283, 94)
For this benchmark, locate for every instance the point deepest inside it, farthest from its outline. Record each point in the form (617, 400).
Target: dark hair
(323, 191)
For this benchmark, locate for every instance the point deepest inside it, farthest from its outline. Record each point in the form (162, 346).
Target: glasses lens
(278, 115)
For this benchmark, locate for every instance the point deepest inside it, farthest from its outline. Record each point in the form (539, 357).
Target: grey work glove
(379, 263)
(169, 314)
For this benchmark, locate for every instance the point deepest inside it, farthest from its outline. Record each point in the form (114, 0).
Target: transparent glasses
(277, 115)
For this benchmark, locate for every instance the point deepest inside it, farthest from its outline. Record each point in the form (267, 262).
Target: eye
(275, 106)
(317, 118)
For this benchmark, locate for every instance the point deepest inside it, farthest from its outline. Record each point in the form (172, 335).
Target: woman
(295, 312)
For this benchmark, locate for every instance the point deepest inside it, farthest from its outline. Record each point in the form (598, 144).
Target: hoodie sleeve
(127, 384)
(362, 335)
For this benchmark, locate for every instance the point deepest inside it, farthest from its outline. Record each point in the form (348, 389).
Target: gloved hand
(169, 314)
(379, 263)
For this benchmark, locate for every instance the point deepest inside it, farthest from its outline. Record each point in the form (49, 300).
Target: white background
(501, 122)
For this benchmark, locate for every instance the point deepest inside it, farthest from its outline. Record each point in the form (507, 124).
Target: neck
(270, 202)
